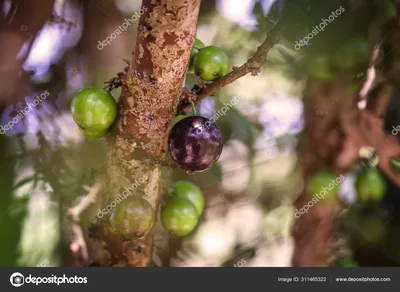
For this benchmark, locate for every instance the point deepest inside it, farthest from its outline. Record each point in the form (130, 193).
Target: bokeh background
(47, 166)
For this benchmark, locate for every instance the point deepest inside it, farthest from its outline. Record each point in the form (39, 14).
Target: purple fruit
(195, 143)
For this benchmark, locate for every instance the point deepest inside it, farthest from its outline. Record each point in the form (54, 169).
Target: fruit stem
(193, 107)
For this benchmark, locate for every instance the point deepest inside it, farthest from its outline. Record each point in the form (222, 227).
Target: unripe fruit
(323, 183)
(187, 191)
(179, 217)
(211, 63)
(319, 67)
(198, 44)
(132, 218)
(195, 143)
(93, 135)
(94, 110)
(352, 56)
(370, 185)
(177, 119)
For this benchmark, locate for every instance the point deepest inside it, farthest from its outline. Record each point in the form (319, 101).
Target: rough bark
(147, 105)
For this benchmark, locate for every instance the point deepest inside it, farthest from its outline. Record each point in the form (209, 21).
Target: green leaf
(241, 127)
(259, 13)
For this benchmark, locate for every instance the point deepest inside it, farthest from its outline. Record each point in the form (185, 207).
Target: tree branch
(78, 243)
(252, 66)
(371, 75)
(364, 126)
(88, 200)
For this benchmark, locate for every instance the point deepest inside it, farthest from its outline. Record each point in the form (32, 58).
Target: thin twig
(371, 75)
(252, 66)
(78, 243)
(364, 125)
(89, 199)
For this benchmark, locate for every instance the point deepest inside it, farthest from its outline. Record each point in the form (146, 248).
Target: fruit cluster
(134, 216)
(369, 185)
(181, 212)
(194, 143)
(94, 110)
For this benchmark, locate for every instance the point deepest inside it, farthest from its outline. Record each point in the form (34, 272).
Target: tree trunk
(324, 142)
(148, 103)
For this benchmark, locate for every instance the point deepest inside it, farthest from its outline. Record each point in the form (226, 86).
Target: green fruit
(93, 135)
(226, 126)
(94, 109)
(132, 218)
(211, 63)
(370, 185)
(352, 56)
(179, 217)
(177, 119)
(196, 47)
(395, 165)
(319, 68)
(324, 185)
(187, 191)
